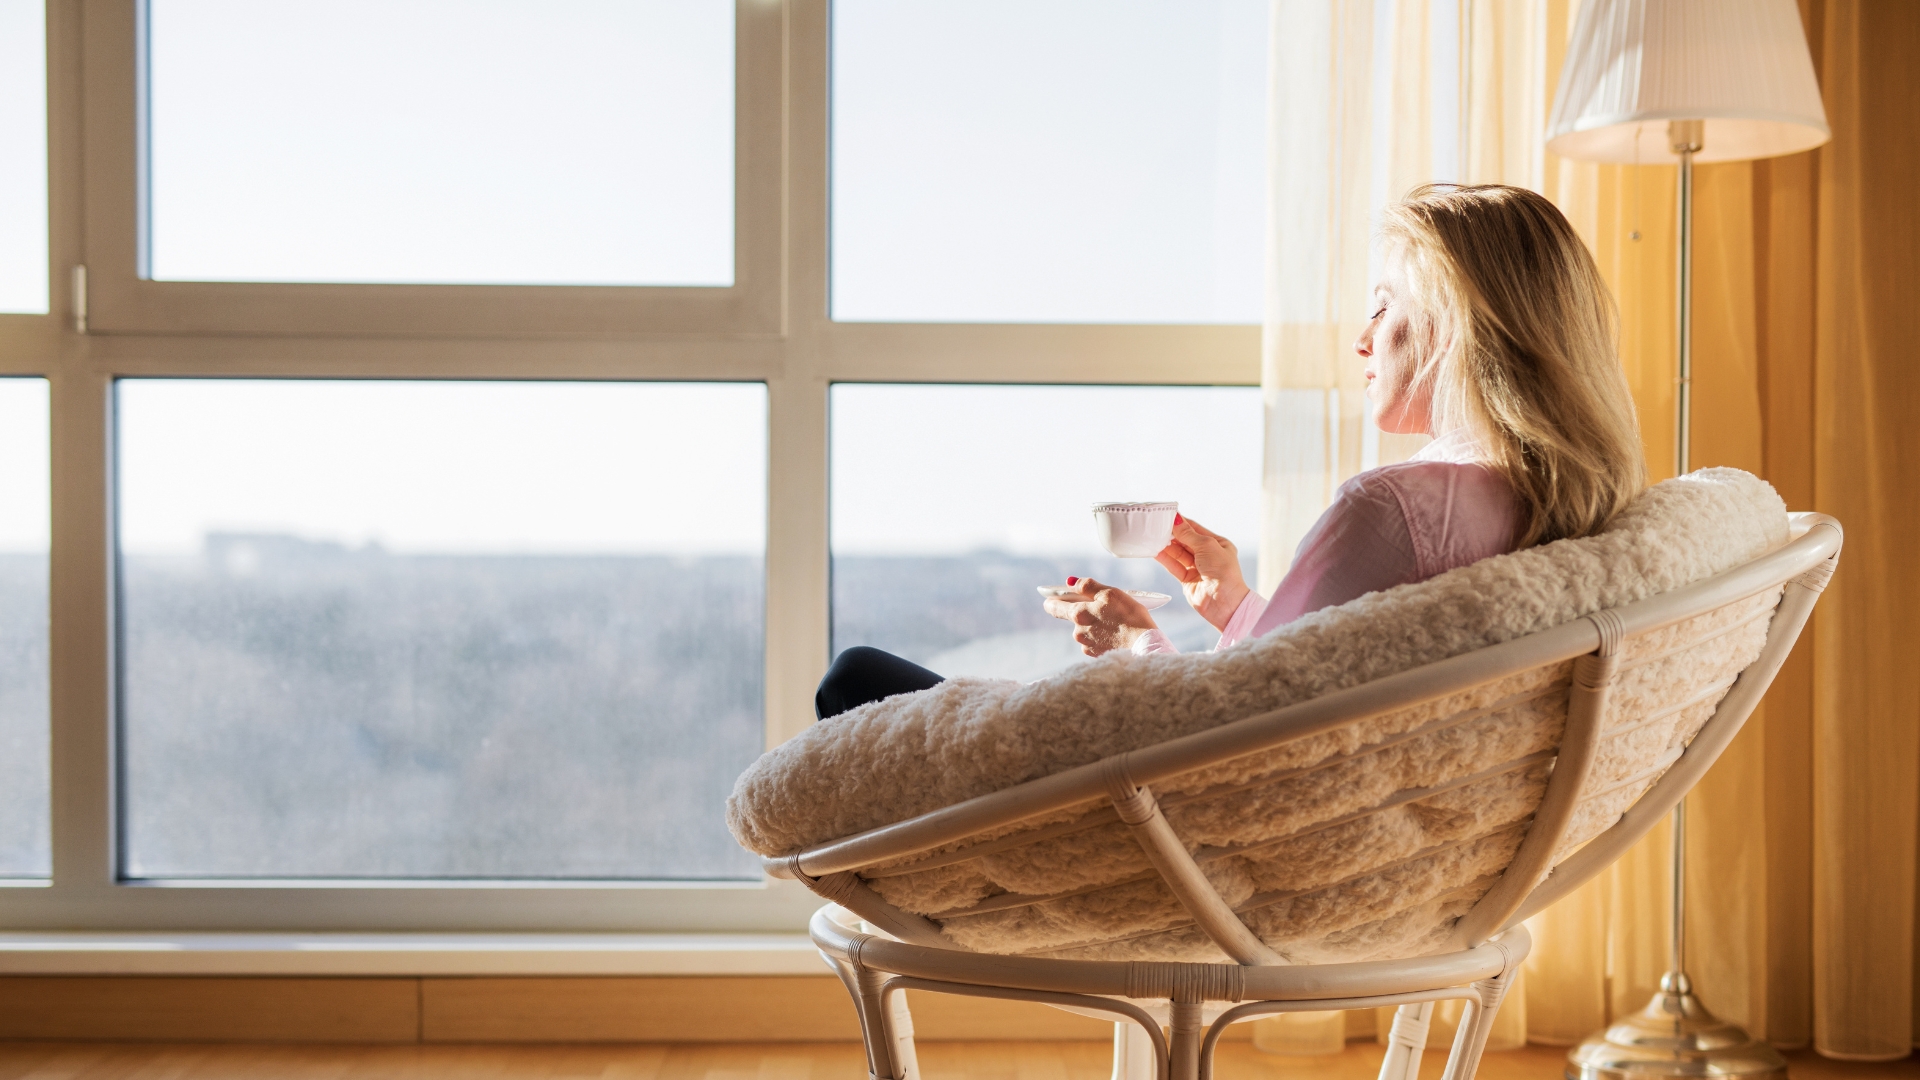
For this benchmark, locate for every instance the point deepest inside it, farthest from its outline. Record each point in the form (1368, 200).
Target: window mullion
(797, 612)
(80, 662)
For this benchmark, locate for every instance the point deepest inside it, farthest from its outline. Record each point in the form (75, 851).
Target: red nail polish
(1177, 519)
(1072, 580)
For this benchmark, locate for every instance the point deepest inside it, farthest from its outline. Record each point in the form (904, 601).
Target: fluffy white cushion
(1327, 884)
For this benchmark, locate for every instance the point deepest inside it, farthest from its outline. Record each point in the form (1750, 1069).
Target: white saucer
(1152, 601)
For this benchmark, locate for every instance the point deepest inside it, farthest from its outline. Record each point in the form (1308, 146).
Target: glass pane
(1053, 161)
(23, 156)
(563, 142)
(470, 630)
(24, 542)
(951, 503)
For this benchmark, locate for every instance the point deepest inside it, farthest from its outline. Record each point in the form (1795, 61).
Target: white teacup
(1135, 530)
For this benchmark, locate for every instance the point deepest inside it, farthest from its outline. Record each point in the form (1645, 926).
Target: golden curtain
(1802, 840)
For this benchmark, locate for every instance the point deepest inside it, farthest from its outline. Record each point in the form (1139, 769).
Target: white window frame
(772, 328)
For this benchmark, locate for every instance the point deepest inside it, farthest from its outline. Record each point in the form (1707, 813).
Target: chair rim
(1532, 881)
(1144, 979)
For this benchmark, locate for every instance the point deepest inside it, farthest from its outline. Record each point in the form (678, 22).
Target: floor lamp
(1683, 81)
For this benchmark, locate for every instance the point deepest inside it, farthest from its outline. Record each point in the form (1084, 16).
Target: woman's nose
(1364, 343)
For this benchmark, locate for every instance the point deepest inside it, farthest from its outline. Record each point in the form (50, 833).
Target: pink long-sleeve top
(1388, 526)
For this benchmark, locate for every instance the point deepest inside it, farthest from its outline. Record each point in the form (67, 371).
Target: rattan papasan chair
(1355, 810)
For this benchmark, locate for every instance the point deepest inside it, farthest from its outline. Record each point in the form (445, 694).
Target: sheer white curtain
(1367, 102)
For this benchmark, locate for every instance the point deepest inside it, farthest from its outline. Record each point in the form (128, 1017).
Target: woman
(1492, 331)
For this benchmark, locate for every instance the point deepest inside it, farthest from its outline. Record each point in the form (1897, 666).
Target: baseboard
(211, 1009)
(494, 1010)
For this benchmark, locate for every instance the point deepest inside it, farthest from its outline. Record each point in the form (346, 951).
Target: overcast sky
(948, 469)
(1081, 161)
(23, 156)
(24, 506)
(445, 467)
(568, 142)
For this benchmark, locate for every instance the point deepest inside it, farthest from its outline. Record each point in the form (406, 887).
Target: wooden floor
(766, 1061)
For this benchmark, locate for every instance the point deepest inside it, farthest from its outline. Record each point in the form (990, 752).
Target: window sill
(199, 953)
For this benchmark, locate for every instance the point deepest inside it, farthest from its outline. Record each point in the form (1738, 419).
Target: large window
(24, 850)
(438, 629)
(490, 419)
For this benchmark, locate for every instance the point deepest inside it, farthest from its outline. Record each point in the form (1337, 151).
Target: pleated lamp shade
(1742, 66)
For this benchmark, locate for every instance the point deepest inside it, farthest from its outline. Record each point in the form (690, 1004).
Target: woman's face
(1393, 347)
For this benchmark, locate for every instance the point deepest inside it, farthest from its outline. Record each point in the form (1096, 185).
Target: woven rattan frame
(1490, 942)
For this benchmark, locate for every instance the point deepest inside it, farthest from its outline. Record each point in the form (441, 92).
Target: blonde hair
(1523, 350)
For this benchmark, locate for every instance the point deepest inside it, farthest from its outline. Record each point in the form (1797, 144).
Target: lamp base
(1674, 1036)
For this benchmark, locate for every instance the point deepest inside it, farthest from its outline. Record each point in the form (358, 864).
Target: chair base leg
(1407, 1040)
(886, 1026)
(1470, 1042)
(906, 1058)
(1184, 1036)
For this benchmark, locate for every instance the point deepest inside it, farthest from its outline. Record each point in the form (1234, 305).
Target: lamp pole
(1687, 138)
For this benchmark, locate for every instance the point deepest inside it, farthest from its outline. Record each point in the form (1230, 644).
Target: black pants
(863, 674)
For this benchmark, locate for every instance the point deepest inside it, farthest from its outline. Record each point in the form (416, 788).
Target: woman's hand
(1208, 566)
(1104, 619)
